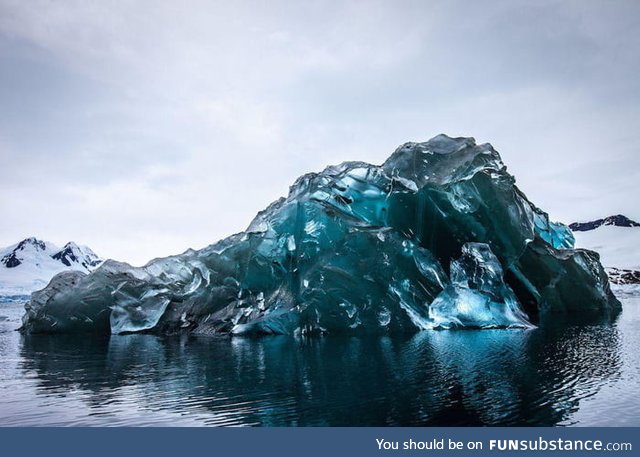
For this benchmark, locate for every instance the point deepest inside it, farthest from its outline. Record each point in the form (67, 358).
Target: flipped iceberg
(356, 248)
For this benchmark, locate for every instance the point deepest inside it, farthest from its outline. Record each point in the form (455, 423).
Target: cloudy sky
(143, 128)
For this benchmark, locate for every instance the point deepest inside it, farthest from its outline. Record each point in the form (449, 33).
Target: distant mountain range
(617, 240)
(31, 263)
(618, 221)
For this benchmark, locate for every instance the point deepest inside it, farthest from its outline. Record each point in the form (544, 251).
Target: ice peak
(442, 159)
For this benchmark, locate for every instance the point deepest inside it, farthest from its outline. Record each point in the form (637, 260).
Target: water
(581, 375)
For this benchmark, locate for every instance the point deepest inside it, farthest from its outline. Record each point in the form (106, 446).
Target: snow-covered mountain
(617, 240)
(618, 220)
(31, 263)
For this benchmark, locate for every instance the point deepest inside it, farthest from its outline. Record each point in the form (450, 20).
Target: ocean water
(578, 375)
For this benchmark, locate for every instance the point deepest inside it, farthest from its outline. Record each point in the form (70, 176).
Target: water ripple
(564, 376)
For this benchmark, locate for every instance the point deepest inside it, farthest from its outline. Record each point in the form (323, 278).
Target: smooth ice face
(356, 248)
(477, 296)
(557, 235)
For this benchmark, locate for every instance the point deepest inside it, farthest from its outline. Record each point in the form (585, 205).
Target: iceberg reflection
(490, 377)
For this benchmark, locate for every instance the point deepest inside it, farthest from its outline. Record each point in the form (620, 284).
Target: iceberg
(438, 236)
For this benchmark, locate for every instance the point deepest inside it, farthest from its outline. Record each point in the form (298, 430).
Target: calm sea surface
(582, 375)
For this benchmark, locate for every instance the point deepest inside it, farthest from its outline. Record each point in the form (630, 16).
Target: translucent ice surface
(437, 236)
(477, 296)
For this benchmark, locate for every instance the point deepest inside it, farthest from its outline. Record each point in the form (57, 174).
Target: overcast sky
(144, 128)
